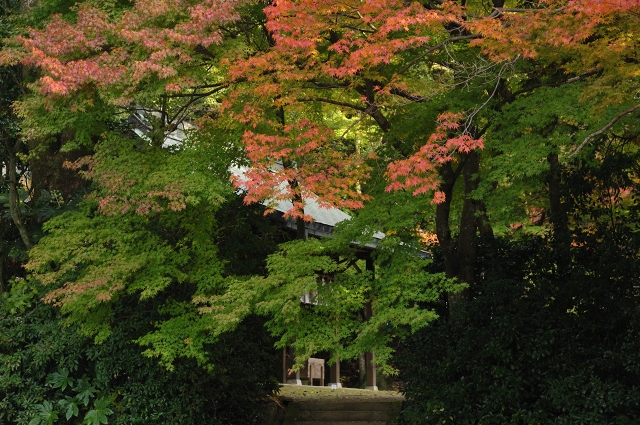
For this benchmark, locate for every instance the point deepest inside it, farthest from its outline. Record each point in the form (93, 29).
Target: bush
(535, 345)
(50, 371)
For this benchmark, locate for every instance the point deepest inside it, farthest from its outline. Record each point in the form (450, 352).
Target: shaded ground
(307, 393)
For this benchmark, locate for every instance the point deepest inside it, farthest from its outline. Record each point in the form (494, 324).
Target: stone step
(363, 406)
(326, 416)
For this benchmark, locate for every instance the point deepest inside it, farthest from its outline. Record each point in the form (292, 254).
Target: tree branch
(604, 129)
(177, 118)
(198, 95)
(510, 9)
(405, 94)
(570, 80)
(14, 200)
(366, 30)
(320, 85)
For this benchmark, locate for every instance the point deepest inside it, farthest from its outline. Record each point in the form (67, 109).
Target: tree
(431, 94)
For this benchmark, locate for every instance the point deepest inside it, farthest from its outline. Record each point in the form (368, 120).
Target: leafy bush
(535, 344)
(51, 374)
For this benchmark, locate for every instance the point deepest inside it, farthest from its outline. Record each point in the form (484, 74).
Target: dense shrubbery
(535, 344)
(48, 368)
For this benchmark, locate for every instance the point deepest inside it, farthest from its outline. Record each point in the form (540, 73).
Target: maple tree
(327, 97)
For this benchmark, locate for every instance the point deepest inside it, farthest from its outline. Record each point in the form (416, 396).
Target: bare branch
(351, 126)
(320, 85)
(604, 129)
(197, 95)
(368, 23)
(508, 9)
(469, 120)
(141, 122)
(180, 115)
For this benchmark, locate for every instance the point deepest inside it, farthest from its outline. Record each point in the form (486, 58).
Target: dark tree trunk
(558, 214)
(2, 256)
(467, 237)
(301, 231)
(443, 228)
(372, 109)
(460, 256)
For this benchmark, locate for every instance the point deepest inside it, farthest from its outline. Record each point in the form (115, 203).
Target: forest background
(139, 279)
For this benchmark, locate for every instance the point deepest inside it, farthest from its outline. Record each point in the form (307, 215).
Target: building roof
(324, 219)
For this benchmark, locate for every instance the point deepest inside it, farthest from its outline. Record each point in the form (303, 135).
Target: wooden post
(369, 357)
(334, 374)
(284, 366)
(371, 372)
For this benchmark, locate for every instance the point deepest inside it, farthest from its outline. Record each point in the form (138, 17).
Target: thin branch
(194, 97)
(351, 126)
(373, 27)
(469, 120)
(194, 94)
(508, 9)
(604, 129)
(345, 15)
(437, 46)
(328, 86)
(141, 122)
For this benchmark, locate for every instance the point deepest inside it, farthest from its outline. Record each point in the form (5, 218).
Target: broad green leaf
(60, 379)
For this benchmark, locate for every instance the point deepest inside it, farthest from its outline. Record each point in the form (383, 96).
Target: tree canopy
(448, 126)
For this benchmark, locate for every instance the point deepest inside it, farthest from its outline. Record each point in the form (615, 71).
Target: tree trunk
(557, 214)
(368, 91)
(467, 237)
(301, 229)
(443, 229)
(460, 256)
(14, 201)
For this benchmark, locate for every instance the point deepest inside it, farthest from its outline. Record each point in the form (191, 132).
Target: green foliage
(340, 290)
(532, 348)
(46, 415)
(72, 407)
(538, 343)
(51, 374)
(150, 224)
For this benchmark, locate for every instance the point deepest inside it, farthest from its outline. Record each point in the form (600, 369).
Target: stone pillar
(334, 374)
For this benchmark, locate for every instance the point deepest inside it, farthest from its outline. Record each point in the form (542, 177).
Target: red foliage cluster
(101, 52)
(419, 172)
(299, 164)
